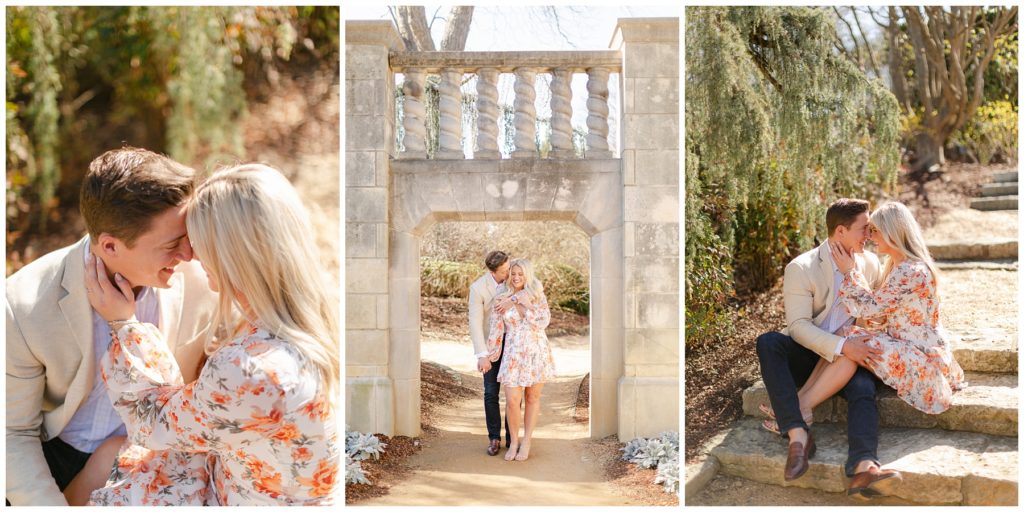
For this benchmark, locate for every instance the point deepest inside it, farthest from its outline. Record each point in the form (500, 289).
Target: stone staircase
(964, 456)
(1000, 194)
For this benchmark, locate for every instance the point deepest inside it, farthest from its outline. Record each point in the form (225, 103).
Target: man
(58, 411)
(481, 300)
(813, 315)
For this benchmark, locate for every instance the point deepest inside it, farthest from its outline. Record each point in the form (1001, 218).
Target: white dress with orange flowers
(527, 360)
(917, 358)
(253, 429)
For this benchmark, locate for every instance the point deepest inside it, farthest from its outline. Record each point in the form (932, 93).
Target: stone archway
(588, 193)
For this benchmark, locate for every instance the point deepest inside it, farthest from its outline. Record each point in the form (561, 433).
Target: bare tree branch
(867, 44)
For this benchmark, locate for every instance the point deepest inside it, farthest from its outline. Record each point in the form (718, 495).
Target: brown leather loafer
(873, 483)
(493, 447)
(798, 460)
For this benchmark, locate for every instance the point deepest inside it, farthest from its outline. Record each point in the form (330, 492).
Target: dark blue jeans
(492, 409)
(786, 365)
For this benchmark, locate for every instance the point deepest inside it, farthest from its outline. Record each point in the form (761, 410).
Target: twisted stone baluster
(487, 113)
(597, 113)
(415, 114)
(450, 126)
(561, 114)
(525, 114)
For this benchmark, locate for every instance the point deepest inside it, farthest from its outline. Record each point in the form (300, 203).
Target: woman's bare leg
(513, 401)
(95, 473)
(532, 411)
(833, 377)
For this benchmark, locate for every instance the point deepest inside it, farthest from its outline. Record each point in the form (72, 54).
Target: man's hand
(857, 350)
(483, 364)
(504, 304)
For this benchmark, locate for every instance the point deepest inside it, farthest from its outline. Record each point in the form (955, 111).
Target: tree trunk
(929, 152)
(457, 30)
(896, 73)
(412, 26)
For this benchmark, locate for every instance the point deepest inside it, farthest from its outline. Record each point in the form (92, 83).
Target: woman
(901, 319)
(527, 363)
(258, 425)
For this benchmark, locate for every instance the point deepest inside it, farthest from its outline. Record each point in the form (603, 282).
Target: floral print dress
(253, 429)
(917, 358)
(527, 360)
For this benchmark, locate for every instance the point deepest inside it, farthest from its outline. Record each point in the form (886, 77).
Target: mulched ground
(582, 407)
(448, 316)
(628, 479)
(718, 372)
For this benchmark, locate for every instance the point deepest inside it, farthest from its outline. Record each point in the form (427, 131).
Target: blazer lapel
(825, 265)
(79, 318)
(171, 302)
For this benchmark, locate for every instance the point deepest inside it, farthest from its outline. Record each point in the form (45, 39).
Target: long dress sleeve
(257, 403)
(861, 301)
(538, 314)
(496, 334)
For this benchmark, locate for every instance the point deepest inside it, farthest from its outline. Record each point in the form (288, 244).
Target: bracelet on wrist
(117, 324)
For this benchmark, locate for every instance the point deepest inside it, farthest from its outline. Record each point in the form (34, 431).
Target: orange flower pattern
(527, 359)
(917, 359)
(253, 429)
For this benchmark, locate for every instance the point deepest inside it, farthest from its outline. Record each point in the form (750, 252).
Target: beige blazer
(809, 293)
(481, 300)
(50, 360)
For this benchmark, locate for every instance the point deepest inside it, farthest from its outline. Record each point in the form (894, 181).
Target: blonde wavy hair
(250, 230)
(532, 285)
(900, 230)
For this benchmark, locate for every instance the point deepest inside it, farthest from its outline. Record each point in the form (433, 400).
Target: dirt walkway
(453, 468)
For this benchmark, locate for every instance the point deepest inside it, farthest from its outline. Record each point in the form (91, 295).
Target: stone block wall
(369, 142)
(649, 389)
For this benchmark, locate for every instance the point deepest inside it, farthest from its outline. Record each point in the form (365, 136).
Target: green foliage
(82, 80)
(992, 132)
(778, 126)
(564, 286)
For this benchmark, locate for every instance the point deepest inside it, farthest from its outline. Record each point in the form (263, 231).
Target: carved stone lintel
(487, 114)
(450, 125)
(415, 115)
(525, 114)
(561, 114)
(597, 113)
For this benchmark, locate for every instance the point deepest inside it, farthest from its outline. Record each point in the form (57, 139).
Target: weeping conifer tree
(778, 125)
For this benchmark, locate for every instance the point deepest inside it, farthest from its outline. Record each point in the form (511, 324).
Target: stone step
(994, 203)
(987, 350)
(1004, 177)
(988, 406)
(994, 249)
(939, 467)
(999, 189)
(1001, 264)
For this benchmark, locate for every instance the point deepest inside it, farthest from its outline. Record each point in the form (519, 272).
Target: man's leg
(785, 365)
(492, 409)
(862, 419)
(65, 462)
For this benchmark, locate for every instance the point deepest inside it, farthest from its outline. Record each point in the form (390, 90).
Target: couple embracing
(508, 313)
(853, 323)
(137, 375)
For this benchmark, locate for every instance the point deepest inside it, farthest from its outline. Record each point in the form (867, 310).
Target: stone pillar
(561, 113)
(369, 142)
(597, 113)
(526, 114)
(649, 390)
(487, 109)
(450, 123)
(415, 140)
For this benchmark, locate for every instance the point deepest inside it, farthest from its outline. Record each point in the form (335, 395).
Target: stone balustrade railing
(488, 66)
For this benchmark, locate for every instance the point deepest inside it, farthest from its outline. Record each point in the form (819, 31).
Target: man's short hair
(495, 259)
(125, 188)
(844, 212)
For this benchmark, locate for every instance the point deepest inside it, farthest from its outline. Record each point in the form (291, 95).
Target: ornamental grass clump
(661, 453)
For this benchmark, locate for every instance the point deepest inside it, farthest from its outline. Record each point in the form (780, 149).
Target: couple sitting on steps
(851, 324)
